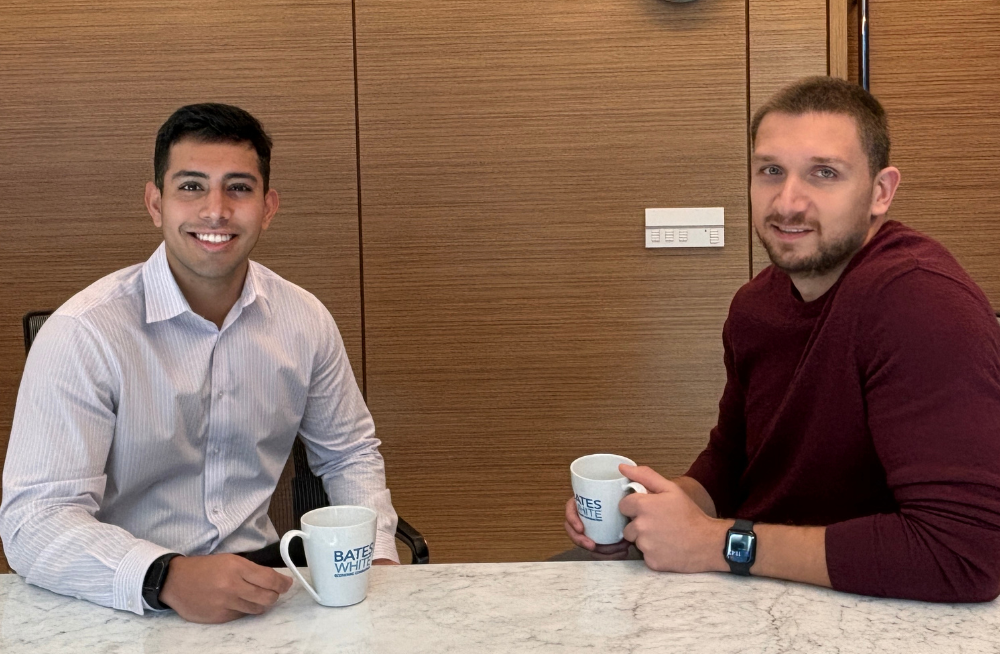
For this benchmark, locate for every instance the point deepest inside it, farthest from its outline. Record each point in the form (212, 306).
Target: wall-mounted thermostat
(698, 227)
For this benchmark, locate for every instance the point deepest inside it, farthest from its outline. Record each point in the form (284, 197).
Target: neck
(212, 299)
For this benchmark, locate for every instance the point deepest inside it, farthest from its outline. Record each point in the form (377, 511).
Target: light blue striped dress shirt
(141, 428)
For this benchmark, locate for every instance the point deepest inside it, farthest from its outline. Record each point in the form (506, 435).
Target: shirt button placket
(214, 467)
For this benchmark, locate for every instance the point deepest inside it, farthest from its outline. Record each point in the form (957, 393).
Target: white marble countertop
(520, 607)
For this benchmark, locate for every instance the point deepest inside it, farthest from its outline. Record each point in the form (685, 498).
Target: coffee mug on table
(339, 543)
(598, 488)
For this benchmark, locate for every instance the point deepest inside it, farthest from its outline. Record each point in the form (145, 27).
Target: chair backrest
(32, 322)
(298, 492)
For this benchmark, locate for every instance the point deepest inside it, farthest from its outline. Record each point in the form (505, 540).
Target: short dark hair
(835, 96)
(211, 122)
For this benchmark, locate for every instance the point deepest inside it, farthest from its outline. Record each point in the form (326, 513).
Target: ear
(154, 201)
(886, 183)
(271, 203)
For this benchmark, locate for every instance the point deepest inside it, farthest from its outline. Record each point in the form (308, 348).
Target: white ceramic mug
(339, 543)
(598, 488)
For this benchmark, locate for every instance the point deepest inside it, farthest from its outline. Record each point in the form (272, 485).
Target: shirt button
(219, 394)
(215, 511)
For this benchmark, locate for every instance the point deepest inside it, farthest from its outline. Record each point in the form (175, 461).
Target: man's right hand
(220, 587)
(574, 527)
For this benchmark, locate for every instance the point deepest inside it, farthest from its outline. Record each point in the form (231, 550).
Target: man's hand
(220, 587)
(671, 531)
(574, 528)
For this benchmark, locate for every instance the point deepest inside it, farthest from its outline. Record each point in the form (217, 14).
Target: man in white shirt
(159, 405)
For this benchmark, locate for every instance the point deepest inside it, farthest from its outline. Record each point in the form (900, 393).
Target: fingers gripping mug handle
(285, 540)
(634, 487)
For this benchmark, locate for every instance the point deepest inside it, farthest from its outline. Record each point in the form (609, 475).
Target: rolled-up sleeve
(340, 441)
(54, 479)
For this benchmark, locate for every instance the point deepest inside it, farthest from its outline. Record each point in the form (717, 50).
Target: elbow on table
(16, 558)
(969, 579)
(983, 586)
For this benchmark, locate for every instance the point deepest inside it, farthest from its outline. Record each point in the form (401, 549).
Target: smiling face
(212, 210)
(812, 192)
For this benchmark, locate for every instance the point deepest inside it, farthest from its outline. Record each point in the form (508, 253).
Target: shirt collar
(164, 299)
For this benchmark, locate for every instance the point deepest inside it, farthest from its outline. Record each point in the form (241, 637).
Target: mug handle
(634, 487)
(286, 557)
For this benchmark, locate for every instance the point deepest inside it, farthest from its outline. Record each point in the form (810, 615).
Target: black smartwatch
(741, 548)
(156, 576)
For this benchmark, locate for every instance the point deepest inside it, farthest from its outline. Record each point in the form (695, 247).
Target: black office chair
(307, 489)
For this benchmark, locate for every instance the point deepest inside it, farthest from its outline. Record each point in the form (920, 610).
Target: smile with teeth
(213, 238)
(792, 230)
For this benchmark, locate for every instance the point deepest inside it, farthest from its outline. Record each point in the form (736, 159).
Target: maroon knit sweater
(874, 410)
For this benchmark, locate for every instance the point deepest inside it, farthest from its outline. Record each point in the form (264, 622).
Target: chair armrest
(413, 540)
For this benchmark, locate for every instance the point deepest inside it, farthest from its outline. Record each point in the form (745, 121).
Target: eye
(771, 170)
(190, 186)
(827, 173)
(241, 188)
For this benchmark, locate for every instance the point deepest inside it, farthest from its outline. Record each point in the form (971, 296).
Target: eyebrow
(830, 160)
(188, 173)
(820, 160)
(225, 178)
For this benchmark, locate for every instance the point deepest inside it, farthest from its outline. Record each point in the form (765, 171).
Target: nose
(792, 199)
(216, 209)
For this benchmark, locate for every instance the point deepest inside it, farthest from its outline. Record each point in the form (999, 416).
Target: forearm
(783, 552)
(70, 553)
(793, 553)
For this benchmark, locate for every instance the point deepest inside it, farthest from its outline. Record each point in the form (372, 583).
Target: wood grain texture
(936, 68)
(84, 86)
(837, 15)
(788, 41)
(514, 320)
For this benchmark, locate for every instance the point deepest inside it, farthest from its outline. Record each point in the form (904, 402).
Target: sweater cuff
(850, 560)
(385, 547)
(130, 574)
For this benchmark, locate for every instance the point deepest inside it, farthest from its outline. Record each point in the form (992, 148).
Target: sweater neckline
(794, 301)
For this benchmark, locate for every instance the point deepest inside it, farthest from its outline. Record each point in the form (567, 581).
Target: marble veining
(520, 607)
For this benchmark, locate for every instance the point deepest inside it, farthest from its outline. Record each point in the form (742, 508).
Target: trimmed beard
(828, 256)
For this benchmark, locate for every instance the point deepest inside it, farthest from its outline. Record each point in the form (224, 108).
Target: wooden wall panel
(838, 13)
(514, 320)
(936, 68)
(788, 41)
(84, 85)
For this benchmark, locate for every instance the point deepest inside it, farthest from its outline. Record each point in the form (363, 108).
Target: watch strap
(156, 576)
(736, 567)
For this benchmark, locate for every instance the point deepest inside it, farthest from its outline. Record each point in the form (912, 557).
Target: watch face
(738, 547)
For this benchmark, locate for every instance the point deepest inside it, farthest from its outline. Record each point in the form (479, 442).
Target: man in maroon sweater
(860, 423)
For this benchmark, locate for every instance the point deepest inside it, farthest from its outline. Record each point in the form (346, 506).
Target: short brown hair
(834, 96)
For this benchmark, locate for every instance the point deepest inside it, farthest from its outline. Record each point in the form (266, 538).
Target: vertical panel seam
(829, 38)
(749, 152)
(361, 240)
